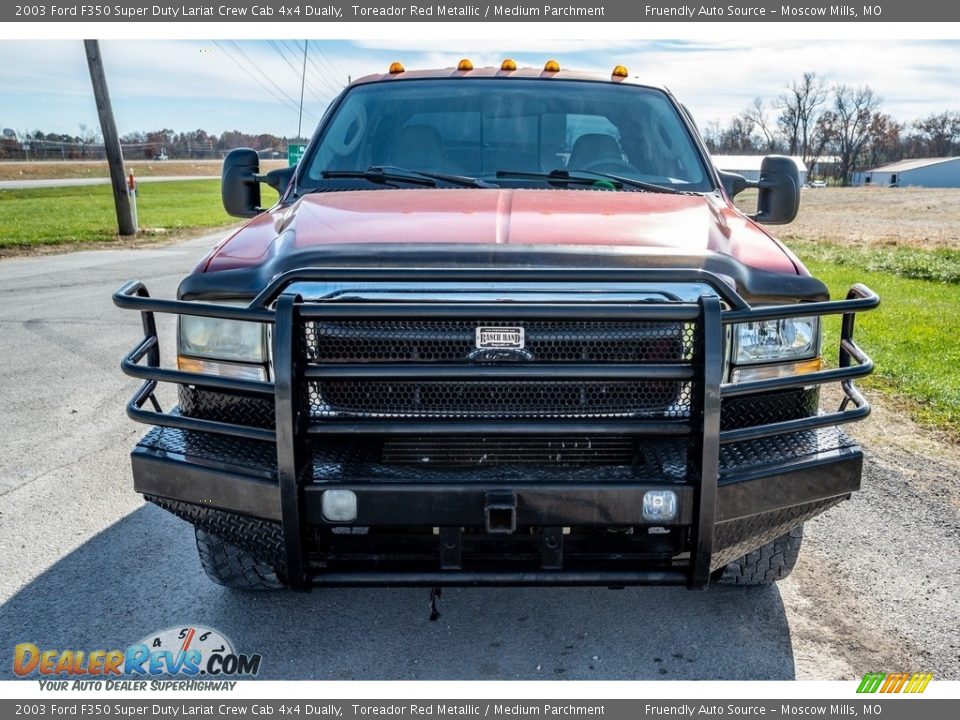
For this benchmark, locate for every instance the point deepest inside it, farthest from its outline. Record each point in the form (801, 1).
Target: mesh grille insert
(513, 399)
(427, 341)
(453, 340)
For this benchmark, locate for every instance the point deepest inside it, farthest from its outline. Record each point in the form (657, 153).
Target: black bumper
(262, 487)
(228, 486)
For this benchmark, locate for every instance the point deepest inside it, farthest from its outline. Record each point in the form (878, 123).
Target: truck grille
(471, 451)
(425, 342)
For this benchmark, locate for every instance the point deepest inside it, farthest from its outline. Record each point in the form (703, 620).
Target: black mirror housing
(279, 179)
(734, 184)
(239, 185)
(779, 186)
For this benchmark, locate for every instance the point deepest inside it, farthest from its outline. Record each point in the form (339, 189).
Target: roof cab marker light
(464, 65)
(620, 71)
(508, 65)
(551, 66)
(396, 68)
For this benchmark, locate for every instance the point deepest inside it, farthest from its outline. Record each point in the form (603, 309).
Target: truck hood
(680, 223)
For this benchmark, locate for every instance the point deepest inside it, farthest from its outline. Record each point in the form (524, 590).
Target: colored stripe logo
(894, 682)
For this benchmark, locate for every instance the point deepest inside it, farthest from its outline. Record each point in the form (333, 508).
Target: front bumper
(230, 487)
(261, 488)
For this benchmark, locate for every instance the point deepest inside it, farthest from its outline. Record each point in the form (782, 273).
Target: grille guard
(290, 370)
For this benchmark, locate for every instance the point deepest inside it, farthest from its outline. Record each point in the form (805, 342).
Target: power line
(303, 82)
(334, 65)
(318, 53)
(321, 73)
(262, 73)
(274, 90)
(240, 65)
(316, 92)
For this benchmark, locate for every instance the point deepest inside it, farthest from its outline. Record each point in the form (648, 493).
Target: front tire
(233, 567)
(768, 563)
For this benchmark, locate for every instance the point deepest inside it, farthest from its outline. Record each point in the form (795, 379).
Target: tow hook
(435, 594)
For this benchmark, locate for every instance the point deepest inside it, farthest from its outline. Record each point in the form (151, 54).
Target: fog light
(659, 506)
(339, 505)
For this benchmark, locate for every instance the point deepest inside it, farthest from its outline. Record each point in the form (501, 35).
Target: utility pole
(111, 141)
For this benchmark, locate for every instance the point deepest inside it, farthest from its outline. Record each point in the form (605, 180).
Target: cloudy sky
(254, 86)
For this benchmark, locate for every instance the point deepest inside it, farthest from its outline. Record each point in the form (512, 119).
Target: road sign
(294, 153)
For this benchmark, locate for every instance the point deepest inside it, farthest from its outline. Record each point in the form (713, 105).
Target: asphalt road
(86, 564)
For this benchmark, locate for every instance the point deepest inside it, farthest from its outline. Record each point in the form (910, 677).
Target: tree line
(816, 120)
(87, 144)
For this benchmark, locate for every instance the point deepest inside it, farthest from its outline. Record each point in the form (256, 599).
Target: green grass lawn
(44, 216)
(914, 336)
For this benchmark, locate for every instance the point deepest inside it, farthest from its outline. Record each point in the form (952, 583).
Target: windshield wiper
(391, 173)
(588, 177)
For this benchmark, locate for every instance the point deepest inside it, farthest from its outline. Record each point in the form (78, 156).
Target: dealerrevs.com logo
(191, 651)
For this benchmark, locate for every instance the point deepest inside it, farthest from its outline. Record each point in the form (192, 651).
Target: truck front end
(520, 389)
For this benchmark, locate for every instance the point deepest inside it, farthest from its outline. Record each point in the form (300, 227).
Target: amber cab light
(464, 65)
(508, 65)
(396, 68)
(551, 66)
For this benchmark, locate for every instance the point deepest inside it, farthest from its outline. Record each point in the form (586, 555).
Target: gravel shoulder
(878, 580)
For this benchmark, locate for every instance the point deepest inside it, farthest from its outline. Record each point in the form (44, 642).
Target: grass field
(49, 216)
(913, 337)
(905, 244)
(48, 170)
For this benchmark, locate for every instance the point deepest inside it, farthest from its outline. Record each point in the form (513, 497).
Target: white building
(925, 172)
(749, 165)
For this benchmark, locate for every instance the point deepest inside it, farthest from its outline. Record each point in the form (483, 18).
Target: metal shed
(923, 172)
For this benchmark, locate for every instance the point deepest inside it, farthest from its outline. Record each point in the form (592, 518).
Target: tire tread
(768, 563)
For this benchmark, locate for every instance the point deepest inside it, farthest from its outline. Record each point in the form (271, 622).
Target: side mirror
(779, 186)
(279, 179)
(239, 185)
(734, 184)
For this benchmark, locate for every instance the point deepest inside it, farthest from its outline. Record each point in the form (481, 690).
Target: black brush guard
(293, 501)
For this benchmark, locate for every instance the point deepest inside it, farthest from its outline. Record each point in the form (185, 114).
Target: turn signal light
(620, 71)
(396, 68)
(508, 65)
(551, 66)
(765, 372)
(464, 65)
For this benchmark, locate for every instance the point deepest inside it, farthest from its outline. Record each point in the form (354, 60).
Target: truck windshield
(522, 129)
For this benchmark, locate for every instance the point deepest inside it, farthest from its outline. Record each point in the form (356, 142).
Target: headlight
(223, 339)
(778, 340)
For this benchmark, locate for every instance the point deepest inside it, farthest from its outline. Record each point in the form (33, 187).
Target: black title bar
(617, 11)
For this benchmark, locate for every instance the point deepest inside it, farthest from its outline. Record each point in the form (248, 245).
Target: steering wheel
(338, 142)
(666, 144)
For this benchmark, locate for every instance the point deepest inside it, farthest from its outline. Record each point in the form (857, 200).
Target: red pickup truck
(501, 327)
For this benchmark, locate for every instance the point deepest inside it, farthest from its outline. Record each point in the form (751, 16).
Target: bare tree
(883, 140)
(799, 107)
(822, 136)
(939, 134)
(756, 113)
(711, 136)
(854, 109)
